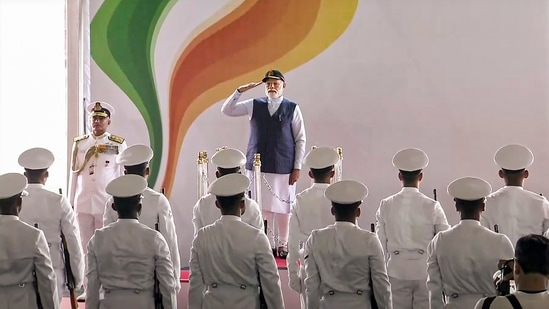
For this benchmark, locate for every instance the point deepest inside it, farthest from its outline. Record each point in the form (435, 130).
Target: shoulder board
(81, 138)
(117, 139)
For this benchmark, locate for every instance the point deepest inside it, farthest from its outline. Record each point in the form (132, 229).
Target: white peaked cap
(36, 159)
(346, 192)
(410, 159)
(134, 155)
(321, 157)
(12, 184)
(105, 105)
(229, 158)
(127, 186)
(229, 185)
(469, 188)
(514, 157)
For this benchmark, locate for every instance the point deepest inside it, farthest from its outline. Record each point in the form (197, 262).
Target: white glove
(295, 282)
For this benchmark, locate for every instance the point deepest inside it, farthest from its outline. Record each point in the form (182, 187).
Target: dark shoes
(282, 252)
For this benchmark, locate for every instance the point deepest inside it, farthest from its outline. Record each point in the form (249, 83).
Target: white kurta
(310, 211)
(155, 208)
(461, 263)
(122, 259)
(24, 249)
(517, 212)
(278, 198)
(227, 258)
(53, 214)
(205, 213)
(527, 301)
(87, 192)
(406, 223)
(339, 261)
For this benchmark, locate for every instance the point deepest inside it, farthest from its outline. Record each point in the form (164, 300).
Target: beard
(273, 94)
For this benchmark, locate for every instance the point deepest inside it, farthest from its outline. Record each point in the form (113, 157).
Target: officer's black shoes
(282, 252)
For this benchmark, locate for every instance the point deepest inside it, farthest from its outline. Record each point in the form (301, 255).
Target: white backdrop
(457, 79)
(33, 105)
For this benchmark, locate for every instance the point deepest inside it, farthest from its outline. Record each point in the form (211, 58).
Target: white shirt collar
(469, 222)
(9, 218)
(36, 185)
(127, 221)
(513, 188)
(344, 224)
(230, 218)
(409, 189)
(320, 185)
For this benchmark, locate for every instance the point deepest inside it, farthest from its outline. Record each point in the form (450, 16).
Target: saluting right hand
(247, 87)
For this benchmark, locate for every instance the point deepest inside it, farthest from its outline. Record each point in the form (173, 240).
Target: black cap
(275, 74)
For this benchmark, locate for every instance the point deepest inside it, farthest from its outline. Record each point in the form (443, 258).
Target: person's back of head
(410, 163)
(228, 161)
(532, 255)
(321, 162)
(513, 161)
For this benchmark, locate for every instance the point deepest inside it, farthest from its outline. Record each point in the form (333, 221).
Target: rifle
(69, 275)
(373, 302)
(35, 285)
(157, 295)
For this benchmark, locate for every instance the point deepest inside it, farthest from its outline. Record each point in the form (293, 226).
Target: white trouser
(277, 228)
(60, 279)
(88, 223)
(303, 294)
(408, 294)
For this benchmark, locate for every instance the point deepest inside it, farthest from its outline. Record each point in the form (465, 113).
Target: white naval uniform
(53, 214)
(339, 261)
(517, 212)
(205, 213)
(122, 259)
(155, 208)
(87, 192)
(278, 194)
(526, 300)
(461, 263)
(227, 258)
(406, 223)
(311, 210)
(24, 249)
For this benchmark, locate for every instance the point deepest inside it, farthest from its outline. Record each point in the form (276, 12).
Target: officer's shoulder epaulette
(117, 139)
(81, 138)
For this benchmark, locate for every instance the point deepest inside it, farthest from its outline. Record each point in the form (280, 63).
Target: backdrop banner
(456, 79)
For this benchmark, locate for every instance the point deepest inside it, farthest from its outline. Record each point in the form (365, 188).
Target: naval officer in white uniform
(462, 260)
(53, 214)
(516, 211)
(310, 211)
(125, 257)
(227, 161)
(26, 270)
(231, 259)
(406, 222)
(344, 263)
(155, 210)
